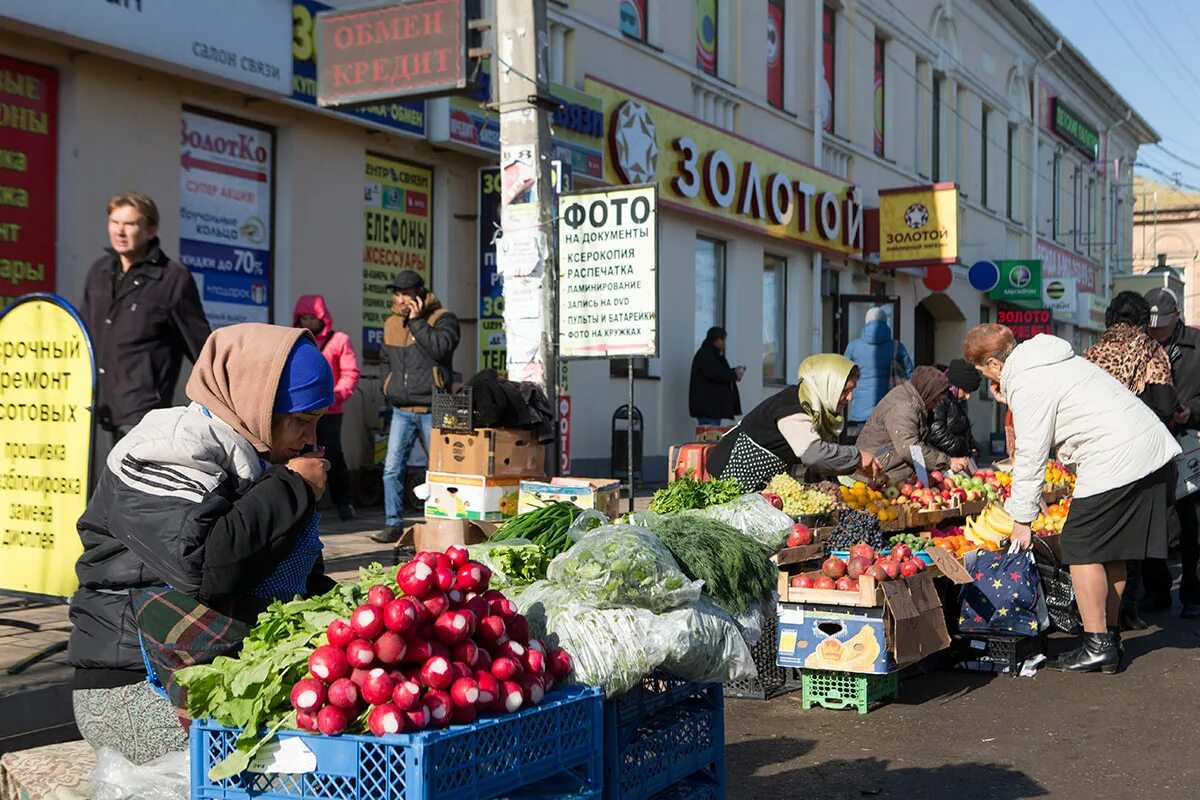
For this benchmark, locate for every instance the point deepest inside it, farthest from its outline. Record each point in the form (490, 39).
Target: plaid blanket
(179, 631)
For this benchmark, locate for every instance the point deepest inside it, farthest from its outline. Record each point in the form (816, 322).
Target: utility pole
(525, 253)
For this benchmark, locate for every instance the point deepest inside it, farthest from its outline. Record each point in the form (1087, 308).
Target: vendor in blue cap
(202, 516)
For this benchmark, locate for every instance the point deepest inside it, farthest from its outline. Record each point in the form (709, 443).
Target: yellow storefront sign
(918, 225)
(46, 389)
(705, 170)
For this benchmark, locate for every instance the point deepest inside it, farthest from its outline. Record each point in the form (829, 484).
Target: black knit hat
(963, 375)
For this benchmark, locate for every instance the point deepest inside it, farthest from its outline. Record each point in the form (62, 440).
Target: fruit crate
(494, 757)
(996, 652)
(831, 689)
(702, 786)
(772, 680)
(662, 737)
(454, 411)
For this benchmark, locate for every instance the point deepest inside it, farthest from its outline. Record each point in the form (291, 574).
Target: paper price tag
(918, 459)
(289, 756)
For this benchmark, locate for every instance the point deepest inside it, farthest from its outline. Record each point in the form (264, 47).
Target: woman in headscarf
(202, 516)
(901, 422)
(799, 426)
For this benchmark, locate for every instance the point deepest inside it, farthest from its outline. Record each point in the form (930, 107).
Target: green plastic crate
(832, 689)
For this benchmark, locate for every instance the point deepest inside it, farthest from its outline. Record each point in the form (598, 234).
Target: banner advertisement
(225, 194)
(880, 77)
(608, 273)
(706, 36)
(397, 210)
(706, 171)
(918, 225)
(1020, 281)
(223, 38)
(1026, 323)
(491, 285)
(406, 117)
(28, 174)
(775, 29)
(828, 65)
(47, 379)
(1060, 263)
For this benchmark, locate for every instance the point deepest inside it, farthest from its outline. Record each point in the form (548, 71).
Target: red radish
(489, 688)
(380, 595)
(506, 668)
(458, 555)
(532, 690)
(389, 648)
(418, 718)
(329, 663)
(467, 652)
(340, 633)
(419, 609)
(426, 630)
(513, 649)
(518, 628)
(534, 661)
(416, 579)
(367, 622)
(511, 696)
(436, 603)
(385, 719)
(492, 595)
(504, 607)
(457, 597)
(439, 649)
(465, 691)
(427, 557)
(360, 653)
(359, 675)
(378, 687)
(484, 661)
(308, 695)
(461, 670)
(559, 663)
(478, 606)
(470, 576)
(539, 645)
(440, 706)
(418, 651)
(398, 616)
(492, 629)
(332, 720)
(444, 577)
(453, 627)
(407, 695)
(343, 694)
(463, 715)
(436, 673)
(306, 720)
(801, 582)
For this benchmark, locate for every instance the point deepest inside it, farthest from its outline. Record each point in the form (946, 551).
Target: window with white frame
(710, 286)
(774, 319)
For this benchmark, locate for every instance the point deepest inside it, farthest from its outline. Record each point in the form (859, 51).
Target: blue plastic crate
(702, 786)
(658, 691)
(489, 758)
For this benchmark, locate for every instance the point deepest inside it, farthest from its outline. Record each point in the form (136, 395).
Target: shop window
(935, 131)
(983, 156)
(1010, 183)
(774, 320)
(828, 63)
(775, 43)
(1055, 195)
(634, 20)
(707, 36)
(880, 95)
(710, 286)
(960, 139)
(1091, 218)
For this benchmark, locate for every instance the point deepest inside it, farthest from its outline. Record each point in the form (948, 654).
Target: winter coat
(418, 354)
(335, 346)
(140, 337)
(950, 427)
(183, 500)
(900, 421)
(1184, 351)
(1065, 403)
(713, 389)
(873, 352)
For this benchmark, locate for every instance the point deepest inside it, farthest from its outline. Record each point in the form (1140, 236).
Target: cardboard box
(476, 497)
(498, 452)
(710, 434)
(602, 494)
(438, 534)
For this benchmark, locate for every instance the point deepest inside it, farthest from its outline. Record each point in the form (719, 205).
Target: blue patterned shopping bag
(1005, 597)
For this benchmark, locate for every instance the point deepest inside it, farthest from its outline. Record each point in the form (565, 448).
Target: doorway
(924, 336)
(852, 315)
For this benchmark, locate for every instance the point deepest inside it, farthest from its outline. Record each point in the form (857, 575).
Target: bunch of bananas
(990, 526)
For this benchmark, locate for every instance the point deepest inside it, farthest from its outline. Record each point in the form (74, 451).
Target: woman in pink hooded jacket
(312, 313)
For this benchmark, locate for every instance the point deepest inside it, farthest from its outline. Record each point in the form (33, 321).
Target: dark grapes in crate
(854, 527)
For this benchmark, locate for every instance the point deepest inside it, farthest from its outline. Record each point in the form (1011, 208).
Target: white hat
(875, 314)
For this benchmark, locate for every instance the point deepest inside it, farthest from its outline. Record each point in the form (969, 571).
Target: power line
(1156, 36)
(1183, 16)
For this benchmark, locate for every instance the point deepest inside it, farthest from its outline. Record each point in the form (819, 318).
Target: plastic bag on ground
(513, 562)
(624, 565)
(118, 778)
(704, 644)
(754, 516)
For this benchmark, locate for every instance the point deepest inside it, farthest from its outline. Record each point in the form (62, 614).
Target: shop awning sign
(1020, 281)
(918, 225)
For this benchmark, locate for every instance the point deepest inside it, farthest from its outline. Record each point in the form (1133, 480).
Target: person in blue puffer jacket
(874, 352)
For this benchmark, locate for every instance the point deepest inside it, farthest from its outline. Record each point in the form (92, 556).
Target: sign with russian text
(1026, 323)
(918, 225)
(608, 273)
(398, 210)
(411, 49)
(1020, 281)
(225, 195)
(1061, 297)
(47, 380)
(1070, 126)
(407, 116)
(244, 41)
(1060, 263)
(707, 171)
(491, 284)
(28, 177)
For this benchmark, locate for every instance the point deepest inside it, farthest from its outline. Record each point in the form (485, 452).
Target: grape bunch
(854, 527)
(797, 498)
(834, 490)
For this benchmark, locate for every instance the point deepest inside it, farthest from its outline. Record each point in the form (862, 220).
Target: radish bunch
(446, 651)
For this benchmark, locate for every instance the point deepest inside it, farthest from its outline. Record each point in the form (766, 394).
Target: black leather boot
(1131, 620)
(1115, 632)
(1098, 653)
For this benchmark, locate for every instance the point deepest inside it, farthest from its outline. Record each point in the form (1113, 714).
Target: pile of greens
(687, 493)
(513, 562)
(546, 527)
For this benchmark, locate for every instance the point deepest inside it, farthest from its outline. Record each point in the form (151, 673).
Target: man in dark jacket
(419, 340)
(1183, 347)
(950, 426)
(713, 392)
(144, 314)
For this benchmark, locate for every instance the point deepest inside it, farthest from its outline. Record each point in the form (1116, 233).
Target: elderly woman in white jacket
(1121, 452)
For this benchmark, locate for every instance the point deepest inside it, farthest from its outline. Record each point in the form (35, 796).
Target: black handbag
(1057, 588)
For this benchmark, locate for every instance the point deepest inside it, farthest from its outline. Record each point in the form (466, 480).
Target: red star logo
(979, 576)
(1016, 576)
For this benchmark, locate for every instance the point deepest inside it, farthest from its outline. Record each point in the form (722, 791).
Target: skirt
(1128, 523)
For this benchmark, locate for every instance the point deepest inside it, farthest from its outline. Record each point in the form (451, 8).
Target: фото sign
(704, 170)
(1025, 323)
(1020, 281)
(412, 49)
(608, 273)
(1071, 127)
(918, 225)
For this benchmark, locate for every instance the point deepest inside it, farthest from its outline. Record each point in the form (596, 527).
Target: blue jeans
(401, 438)
(708, 421)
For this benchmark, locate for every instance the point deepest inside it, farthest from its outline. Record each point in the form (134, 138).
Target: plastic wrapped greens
(624, 565)
(513, 562)
(754, 516)
(705, 644)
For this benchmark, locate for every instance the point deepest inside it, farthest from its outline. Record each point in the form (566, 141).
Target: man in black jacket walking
(144, 314)
(713, 392)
